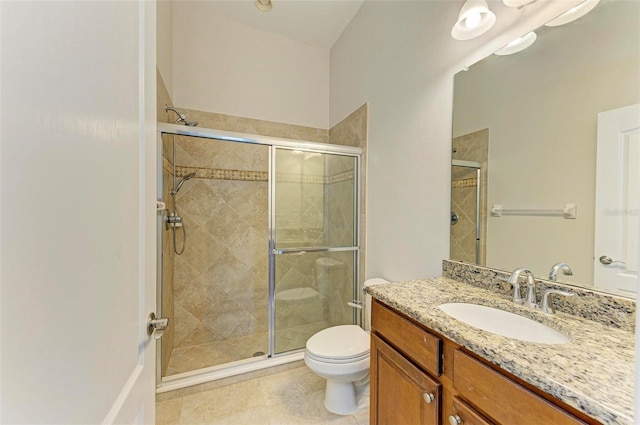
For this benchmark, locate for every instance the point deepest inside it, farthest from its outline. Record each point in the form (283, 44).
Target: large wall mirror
(532, 134)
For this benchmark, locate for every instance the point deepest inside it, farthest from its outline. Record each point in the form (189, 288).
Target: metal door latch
(156, 327)
(606, 260)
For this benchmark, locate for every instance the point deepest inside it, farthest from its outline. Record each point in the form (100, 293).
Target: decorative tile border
(216, 173)
(298, 178)
(458, 184)
(256, 176)
(340, 177)
(597, 306)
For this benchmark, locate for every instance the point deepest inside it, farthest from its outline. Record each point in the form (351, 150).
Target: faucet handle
(547, 304)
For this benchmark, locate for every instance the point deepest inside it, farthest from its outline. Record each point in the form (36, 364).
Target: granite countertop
(594, 373)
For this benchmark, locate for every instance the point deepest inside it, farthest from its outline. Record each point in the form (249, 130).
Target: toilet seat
(339, 344)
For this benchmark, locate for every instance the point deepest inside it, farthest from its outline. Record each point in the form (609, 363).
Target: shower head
(181, 117)
(181, 182)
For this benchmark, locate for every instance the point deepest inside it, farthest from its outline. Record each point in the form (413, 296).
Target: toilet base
(346, 398)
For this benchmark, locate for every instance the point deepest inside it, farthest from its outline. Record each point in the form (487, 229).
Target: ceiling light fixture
(574, 13)
(264, 5)
(517, 3)
(518, 45)
(474, 19)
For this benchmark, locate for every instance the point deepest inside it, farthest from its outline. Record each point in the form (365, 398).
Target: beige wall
(405, 73)
(541, 108)
(164, 42)
(400, 58)
(232, 69)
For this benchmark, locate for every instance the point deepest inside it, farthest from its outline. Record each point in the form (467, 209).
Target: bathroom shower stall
(466, 241)
(269, 231)
(469, 177)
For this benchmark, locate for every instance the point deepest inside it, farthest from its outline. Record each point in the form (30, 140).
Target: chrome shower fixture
(181, 182)
(181, 117)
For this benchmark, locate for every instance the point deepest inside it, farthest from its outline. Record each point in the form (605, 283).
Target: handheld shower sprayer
(181, 117)
(181, 182)
(173, 220)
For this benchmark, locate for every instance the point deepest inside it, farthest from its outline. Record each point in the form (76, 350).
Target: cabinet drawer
(502, 399)
(420, 346)
(466, 415)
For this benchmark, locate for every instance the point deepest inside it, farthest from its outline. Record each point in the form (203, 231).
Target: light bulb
(515, 42)
(574, 13)
(518, 45)
(473, 20)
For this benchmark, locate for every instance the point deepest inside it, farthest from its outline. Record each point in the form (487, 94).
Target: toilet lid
(339, 342)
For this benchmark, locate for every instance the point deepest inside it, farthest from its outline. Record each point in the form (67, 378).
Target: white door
(617, 199)
(77, 211)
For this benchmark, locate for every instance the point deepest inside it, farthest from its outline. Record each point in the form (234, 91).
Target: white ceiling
(315, 22)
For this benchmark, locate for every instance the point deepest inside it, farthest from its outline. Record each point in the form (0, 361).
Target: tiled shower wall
(220, 286)
(470, 147)
(353, 131)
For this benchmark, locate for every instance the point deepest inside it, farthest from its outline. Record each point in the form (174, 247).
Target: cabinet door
(400, 392)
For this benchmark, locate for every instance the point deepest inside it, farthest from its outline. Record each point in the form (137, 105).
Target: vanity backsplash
(599, 307)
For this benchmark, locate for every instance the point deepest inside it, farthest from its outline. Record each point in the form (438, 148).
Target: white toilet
(340, 354)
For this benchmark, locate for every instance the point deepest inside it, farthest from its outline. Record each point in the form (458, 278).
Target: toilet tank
(367, 300)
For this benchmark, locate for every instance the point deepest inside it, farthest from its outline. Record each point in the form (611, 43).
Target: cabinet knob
(454, 420)
(428, 397)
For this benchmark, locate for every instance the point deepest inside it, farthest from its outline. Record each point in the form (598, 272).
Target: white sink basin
(504, 323)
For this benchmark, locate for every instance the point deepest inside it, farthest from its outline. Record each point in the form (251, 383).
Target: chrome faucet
(566, 270)
(530, 298)
(547, 304)
(514, 280)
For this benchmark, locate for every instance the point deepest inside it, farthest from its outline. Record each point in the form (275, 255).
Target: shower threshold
(196, 377)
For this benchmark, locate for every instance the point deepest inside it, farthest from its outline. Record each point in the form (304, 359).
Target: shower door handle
(302, 251)
(157, 326)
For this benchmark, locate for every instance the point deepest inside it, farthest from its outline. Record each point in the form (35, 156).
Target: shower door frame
(274, 250)
(270, 359)
(478, 167)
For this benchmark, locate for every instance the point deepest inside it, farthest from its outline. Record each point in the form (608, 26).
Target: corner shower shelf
(569, 211)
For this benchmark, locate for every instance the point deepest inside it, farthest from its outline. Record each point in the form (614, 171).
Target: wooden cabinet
(402, 394)
(422, 378)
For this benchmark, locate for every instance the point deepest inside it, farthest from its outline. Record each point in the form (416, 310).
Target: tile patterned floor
(287, 398)
(185, 359)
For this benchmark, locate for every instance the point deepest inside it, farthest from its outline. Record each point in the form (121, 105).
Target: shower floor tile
(194, 357)
(287, 398)
(200, 356)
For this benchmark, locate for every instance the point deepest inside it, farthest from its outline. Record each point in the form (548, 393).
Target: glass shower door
(315, 244)
(466, 213)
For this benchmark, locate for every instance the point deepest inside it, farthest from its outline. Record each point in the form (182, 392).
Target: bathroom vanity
(428, 368)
